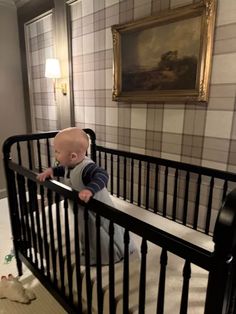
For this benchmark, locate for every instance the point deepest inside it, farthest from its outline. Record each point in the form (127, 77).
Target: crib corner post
(222, 275)
(12, 203)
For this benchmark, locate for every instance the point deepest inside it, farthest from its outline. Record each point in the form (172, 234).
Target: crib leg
(19, 266)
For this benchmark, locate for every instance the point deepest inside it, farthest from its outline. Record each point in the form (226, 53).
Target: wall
(12, 117)
(202, 135)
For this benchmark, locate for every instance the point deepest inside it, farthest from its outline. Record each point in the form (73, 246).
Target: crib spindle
(105, 159)
(48, 153)
(59, 241)
(132, 182)
(197, 201)
(125, 178)
(175, 195)
(77, 256)
(100, 159)
(139, 182)
(68, 249)
(112, 175)
(225, 188)
(98, 266)
(162, 280)
(126, 273)
(87, 260)
(142, 282)
(32, 209)
(147, 185)
(208, 217)
(165, 192)
(51, 234)
(26, 215)
(22, 203)
(45, 234)
(185, 209)
(39, 156)
(19, 153)
(185, 290)
(156, 189)
(112, 305)
(38, 224)
(29, 155)
(118, 177)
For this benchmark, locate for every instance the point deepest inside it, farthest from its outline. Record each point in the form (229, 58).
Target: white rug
(44, 303)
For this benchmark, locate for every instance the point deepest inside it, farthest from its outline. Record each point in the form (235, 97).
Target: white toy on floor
(13, 290)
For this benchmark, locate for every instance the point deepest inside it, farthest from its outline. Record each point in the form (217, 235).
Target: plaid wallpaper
(39, 39)
(202, 135)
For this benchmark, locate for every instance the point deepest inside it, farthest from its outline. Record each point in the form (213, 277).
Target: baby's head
(70, 146)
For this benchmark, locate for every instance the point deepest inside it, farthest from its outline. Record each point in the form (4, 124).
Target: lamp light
(53, 70)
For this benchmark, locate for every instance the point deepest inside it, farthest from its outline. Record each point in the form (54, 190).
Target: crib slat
(29, 155)
(19, 153)
(51, 233)
(68, 249)
(26, 215)
(118, 177)
(156, 189)
(225, 188)
(112, 305)
(105, 158)
(175, 195)
(87, 261)
(185, 289)
(197, 200)
(142, 281)
(32, 222)
(139, 182)
(125, 178)
(132, 182)
(22, 203)
(185, 209)
(98, 266)
(39, 156)
(48, 153)
(38, 224)
(100, 159)
(126, 273)
(208, 218)
(147, 185)
(165, 192)
(77, 256)
(59, 240)
(162, 280)
(45, 234)
(112, 175)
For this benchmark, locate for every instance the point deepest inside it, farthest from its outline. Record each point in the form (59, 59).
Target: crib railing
(183, 192)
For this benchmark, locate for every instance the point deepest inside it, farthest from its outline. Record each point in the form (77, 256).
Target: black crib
(200, 199)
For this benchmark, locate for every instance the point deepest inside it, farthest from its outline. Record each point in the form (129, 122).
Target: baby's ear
(74, 156)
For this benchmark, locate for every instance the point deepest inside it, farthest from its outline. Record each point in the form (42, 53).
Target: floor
(44, 302)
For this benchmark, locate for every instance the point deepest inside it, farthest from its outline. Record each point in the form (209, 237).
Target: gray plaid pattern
(202, 135)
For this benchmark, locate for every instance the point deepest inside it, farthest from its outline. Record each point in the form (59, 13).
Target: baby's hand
(85, 195)
(48, 173)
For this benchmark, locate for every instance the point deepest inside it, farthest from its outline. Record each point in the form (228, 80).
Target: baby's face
(62, 154)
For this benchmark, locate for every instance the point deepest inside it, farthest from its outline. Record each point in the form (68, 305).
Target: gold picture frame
(165, 58)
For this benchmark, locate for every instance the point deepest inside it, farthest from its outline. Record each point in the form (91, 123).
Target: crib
(182, 218)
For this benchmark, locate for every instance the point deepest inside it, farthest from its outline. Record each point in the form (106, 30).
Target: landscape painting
(164, 58)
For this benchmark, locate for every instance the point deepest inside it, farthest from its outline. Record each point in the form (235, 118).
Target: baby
(83, 175)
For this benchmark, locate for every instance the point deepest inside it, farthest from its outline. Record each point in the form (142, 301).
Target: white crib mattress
(174, 270)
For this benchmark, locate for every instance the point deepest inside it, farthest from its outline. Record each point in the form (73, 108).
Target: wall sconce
(53, 70)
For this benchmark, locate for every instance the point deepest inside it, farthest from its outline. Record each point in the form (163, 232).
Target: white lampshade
(52, 68)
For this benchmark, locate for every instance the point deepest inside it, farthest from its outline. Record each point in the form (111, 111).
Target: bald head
(73, 142)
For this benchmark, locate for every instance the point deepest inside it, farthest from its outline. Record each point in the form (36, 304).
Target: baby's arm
(48, 173)
(95, 179)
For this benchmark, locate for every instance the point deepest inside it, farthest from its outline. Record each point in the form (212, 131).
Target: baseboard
(3, 193)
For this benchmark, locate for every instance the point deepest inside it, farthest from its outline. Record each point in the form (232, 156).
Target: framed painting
(165, 58)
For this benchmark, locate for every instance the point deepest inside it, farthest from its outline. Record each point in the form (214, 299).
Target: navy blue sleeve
(58, 171)
(94, 177)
